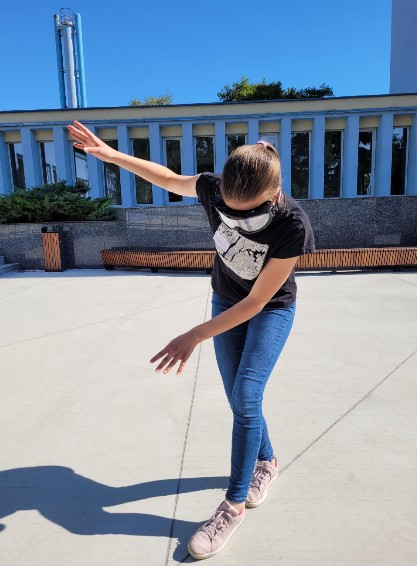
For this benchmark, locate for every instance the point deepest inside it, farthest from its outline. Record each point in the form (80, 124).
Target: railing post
(383, 155)
(187, 155)
(412, 152)
(285, 152)
(31, 158)
(127, 179)
(63, 153)
(350, 155)
(156, 156)
(6, 181)
(317, 158)
(220, 145)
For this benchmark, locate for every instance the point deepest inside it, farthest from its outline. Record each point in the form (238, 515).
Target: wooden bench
(331, 259)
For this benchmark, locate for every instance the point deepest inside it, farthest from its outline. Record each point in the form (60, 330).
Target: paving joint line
(96, 323)
(24, 288)
(347, 412)
(170, 536)
(403, 280)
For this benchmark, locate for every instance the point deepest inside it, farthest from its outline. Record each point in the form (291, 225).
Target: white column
(383, 155)
(285, 152)
(317, 158)
(63, 154)
(6, 182)
(350, 157)
(187, 155)
(411, 182)
(253, 131)
(219, 145)
(95, 171)
(31, 158)
(159, 198)
(127, 179)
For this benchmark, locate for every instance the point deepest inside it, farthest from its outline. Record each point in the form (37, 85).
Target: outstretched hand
(90, 143)
(178, 350)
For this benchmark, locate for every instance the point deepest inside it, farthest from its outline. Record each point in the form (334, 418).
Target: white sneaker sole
(208, 554)
(251, 505)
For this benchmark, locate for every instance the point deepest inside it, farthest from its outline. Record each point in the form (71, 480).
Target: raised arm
(153, 172)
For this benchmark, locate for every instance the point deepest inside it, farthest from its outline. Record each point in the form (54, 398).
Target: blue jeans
(246, 356)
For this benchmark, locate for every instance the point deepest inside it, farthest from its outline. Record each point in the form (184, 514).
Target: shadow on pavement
(100, 272)
(177, 273)
(76, 503)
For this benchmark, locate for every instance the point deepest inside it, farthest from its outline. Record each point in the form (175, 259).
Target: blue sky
(190, 49)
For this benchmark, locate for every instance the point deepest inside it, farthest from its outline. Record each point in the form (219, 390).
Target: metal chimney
(68, 36)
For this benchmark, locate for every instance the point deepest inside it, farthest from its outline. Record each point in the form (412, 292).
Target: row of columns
(64, 157)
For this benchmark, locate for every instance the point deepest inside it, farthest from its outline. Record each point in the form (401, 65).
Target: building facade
(403, 64)
(334, 148)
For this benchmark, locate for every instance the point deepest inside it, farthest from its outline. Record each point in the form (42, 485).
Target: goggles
(249, 221)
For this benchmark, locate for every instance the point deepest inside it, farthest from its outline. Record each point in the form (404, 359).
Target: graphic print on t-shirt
(243, 256)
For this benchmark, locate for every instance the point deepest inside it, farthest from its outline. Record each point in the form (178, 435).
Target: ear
(278, 197)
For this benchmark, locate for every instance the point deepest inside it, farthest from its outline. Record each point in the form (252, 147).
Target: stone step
(8, 267)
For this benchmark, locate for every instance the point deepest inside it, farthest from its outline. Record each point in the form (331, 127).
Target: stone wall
(337, 223)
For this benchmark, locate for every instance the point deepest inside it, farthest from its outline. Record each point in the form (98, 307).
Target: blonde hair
(250, 171)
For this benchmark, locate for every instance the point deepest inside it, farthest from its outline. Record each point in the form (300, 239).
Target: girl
(259, 232)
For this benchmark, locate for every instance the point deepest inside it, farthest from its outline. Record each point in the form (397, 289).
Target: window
(399, 160)
(172, 151)
(365, 162)
(332, 163)
(271, 138)
(17, 166)
(141, 149)
(48, 163)
(204, 153)
(80, 163)
(300, 164)
(112, 187)
(234, 141)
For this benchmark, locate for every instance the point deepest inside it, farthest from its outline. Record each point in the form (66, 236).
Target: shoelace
(259, 476)
(217, 522)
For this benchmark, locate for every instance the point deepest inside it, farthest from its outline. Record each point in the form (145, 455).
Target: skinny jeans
(246, 356)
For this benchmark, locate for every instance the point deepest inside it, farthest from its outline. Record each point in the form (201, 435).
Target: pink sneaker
(211, 537)
(264, 474)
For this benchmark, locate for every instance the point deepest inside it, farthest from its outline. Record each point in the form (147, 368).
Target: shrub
(53, 203)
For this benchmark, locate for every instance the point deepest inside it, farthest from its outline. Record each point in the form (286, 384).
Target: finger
(78, 133)
(81, 139)
(86, 131)
(164, 362)
(184, 359)
(181, 367)
(158, 355)
(85, 148)
(79, 146)
(171, 365)
(82, 127)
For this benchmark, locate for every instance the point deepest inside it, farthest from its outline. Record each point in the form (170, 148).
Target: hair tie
(262, 142)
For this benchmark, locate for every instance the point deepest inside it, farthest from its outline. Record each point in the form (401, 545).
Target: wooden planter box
(360, 258)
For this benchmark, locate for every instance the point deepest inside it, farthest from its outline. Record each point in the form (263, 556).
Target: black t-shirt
(240, 258)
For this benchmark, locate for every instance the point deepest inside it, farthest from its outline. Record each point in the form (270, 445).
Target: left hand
(179, 349)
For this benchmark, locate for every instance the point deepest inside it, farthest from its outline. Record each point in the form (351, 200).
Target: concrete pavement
(104, 462)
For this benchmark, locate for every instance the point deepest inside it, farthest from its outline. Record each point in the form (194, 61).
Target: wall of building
(350, 116)
(403, 75)
(347, 220)
(337, 223)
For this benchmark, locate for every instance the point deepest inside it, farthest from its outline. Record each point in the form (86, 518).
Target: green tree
(244, 90)
(152, 100)
(55, 202)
